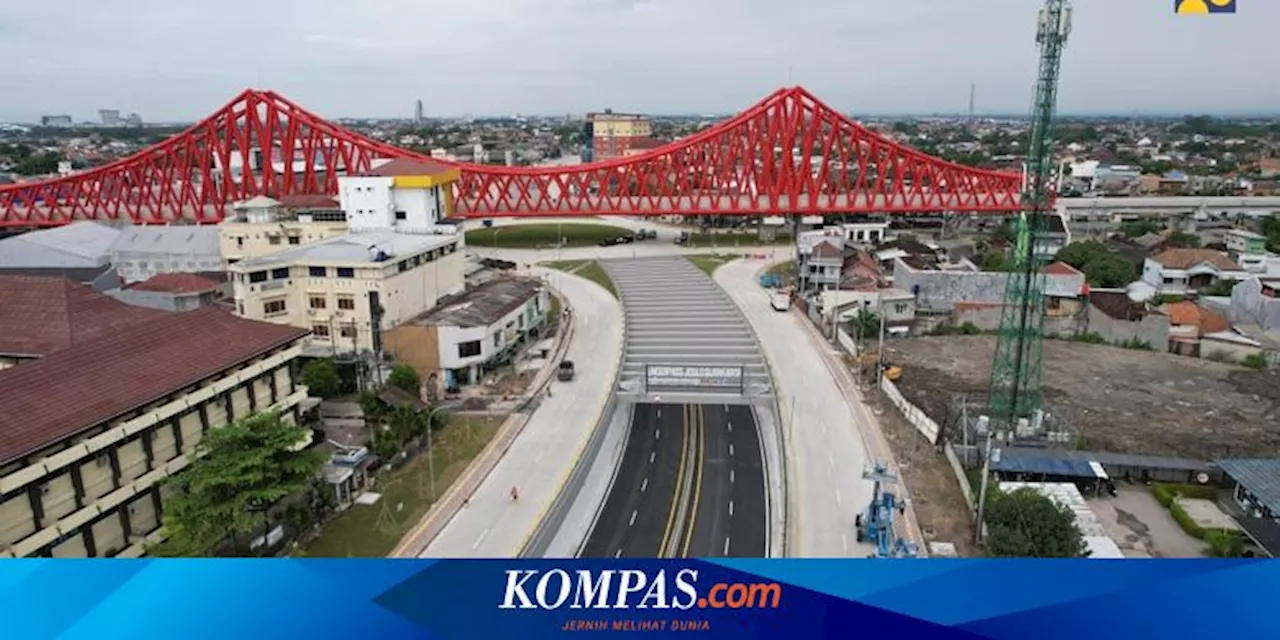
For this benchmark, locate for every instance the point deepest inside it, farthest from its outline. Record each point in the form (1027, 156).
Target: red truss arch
(787, 154)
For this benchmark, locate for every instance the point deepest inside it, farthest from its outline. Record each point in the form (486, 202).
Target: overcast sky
(177, 60)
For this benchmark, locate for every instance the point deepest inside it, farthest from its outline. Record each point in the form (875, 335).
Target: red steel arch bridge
(788, 154)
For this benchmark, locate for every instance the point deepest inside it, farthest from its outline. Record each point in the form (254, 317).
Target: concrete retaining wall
(923, 423)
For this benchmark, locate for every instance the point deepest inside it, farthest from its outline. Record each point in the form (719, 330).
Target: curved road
(690, 484)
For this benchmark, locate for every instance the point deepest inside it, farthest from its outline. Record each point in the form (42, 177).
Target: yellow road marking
(700, 425)
(675, 494)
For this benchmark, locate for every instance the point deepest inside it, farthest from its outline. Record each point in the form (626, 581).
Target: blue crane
(875, 525)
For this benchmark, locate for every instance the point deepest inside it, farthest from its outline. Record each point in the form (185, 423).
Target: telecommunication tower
(1018, 365)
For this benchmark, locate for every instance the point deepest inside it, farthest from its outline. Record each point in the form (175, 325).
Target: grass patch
(373, 531)
(589, 269)
(710, 262)
(544, 234)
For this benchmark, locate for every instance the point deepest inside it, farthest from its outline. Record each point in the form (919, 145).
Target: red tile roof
(176, 283)
(1187, 313)
(408, 167)
(42, 315)
(1187, 258)
(309, 201)
(1061, 269)
(91, 383)
(827, 250)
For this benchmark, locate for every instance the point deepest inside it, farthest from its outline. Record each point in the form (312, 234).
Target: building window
(273, 240)
(280, 274)
(400, 215)
(404, 265)
(497, 340)
(318, 272)
(240, 243)
(899, 308)
(258, 276)
(316, 302)
(347, 331)
(469, 349)
(295, 240)
(320, 331)
(273, 307)
(346, 302)
(346, 272)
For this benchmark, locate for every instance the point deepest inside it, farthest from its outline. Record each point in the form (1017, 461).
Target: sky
(178, 60)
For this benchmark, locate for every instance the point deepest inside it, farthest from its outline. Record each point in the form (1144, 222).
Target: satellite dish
(1202, 478)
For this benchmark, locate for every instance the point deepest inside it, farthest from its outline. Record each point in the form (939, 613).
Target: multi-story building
(336, 287)
(611, 135)
(261, 226)
(1184, 271)
(407, 196)
(89, 432)
(820, 258)
(455, 344)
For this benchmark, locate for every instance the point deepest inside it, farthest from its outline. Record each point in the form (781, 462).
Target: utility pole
(1018, 366)
(973, 89)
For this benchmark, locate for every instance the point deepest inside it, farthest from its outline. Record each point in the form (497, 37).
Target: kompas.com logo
(631, 589)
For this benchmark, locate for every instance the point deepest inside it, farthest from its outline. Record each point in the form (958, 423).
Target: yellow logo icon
(1204, 6)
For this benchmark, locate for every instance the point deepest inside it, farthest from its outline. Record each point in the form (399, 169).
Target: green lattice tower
(1017, 367)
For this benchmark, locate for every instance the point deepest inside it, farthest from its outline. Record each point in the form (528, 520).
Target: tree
(239, 472)
(1109, 271)
(996, 261)
(406, 378)
(1077, 254)
(1184, 240)
(1138, 228)
(1220, 288)
(321, 378)
(864, 325)
(1029, 524)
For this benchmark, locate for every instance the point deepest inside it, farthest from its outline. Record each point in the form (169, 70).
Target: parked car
(565, 372)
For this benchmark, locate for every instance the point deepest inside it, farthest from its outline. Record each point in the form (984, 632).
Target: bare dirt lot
(1121, 400)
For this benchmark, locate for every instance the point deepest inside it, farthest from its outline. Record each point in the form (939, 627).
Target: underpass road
(730, 513)
(638, 508)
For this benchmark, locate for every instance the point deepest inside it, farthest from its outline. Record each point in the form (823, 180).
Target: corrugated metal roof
(351, 248)
(183, 239)
(1260, 476)
(482, 306)
(90, 241)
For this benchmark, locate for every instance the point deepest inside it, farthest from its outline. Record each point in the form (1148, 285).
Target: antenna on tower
(973, 89)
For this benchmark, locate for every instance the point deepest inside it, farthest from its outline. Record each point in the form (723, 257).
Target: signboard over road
(658, 376)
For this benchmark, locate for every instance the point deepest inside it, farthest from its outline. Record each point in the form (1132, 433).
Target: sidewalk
(544, 452)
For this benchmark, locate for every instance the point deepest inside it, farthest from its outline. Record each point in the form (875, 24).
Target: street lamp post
(431, 450)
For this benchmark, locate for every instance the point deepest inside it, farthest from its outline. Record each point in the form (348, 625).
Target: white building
(458, 343)
(144, 251)
(260, 226)
(409, 196)
(1186, 271)
(1245, 241)
(898, 307)
(866, 232)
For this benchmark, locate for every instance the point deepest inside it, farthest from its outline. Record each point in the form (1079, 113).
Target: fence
(923, 423)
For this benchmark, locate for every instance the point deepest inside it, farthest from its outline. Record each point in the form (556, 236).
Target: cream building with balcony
(88, 432)
(262, 226)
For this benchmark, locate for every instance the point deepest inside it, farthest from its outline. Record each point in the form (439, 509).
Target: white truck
(780, 300)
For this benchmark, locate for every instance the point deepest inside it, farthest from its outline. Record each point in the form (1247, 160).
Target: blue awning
(1049, 466)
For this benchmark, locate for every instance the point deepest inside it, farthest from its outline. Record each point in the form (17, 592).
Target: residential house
(1243, 241)
(897, 308)
(470, 334)
(965, 295)
(1197, 331)
(820, 259)
(866, 232)
(90, 432)
(1118, 318)
(1187, 271)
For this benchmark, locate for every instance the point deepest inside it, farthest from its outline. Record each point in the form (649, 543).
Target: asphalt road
(690, 484)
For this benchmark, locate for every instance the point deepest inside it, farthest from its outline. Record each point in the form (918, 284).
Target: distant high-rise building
(55, 121)
(110, 117)
(133, 120)
(610, 135)
(417, 112)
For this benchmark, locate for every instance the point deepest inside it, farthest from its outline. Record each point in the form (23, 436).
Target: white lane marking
(730, 426)
(651, 456)
(731, 476)
(839, 499)
(844, 542)
(538, 458)
(726, 546)
(657, 434)
(644, 485)
(476, 544)
(618, 554)
(731, 507)
(730, 448)
(633, 518)
(831, 459)
(726, 407)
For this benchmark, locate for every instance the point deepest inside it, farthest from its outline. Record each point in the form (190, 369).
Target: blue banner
(738, 599)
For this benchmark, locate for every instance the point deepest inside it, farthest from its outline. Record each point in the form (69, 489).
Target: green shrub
(1255, 361)
(969, 329)
(1224, 544)
(1089, 337)
(1135, 343)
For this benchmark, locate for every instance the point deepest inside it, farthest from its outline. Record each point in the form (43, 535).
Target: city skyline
(502, 57)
